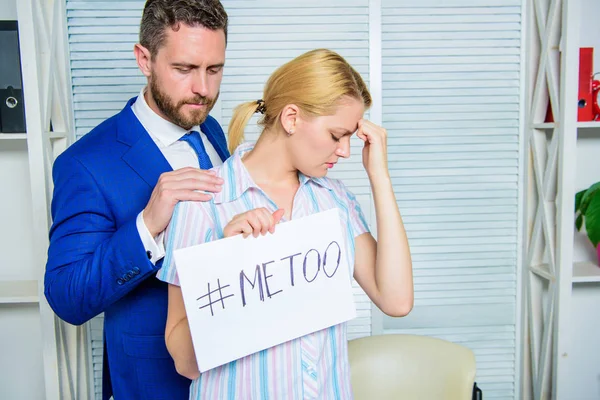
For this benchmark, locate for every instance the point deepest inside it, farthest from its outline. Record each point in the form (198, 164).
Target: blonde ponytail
(237, 125)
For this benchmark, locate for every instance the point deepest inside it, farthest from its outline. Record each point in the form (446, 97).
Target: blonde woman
(311, 105)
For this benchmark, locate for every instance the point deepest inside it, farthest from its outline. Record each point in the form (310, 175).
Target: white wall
(585, 304)
(8, 10)
(15, 210)
(21, 368)
(590, 28)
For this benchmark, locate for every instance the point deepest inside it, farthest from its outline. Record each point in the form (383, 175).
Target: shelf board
(544, 125)
(23, 136)
(580, 125)
(57, 135)
(590, 124)
(18, 292)
(13, 136)
(586, 272)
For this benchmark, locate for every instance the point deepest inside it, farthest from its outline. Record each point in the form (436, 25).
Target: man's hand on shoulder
(185, 184)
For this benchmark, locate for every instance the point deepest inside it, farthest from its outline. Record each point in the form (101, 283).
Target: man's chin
(195, 119)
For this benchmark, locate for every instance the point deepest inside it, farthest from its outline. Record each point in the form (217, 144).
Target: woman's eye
(335, 137)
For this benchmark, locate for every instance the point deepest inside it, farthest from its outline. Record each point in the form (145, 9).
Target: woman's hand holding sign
(254, 222)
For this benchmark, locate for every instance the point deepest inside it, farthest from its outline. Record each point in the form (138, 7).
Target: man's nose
(200, 84)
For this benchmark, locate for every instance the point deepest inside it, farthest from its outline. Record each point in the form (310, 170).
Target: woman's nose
(343, 149)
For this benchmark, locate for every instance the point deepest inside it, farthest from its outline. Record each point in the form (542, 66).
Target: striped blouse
(314, 366)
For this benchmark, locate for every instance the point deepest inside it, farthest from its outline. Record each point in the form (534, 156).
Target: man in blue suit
(115, 190)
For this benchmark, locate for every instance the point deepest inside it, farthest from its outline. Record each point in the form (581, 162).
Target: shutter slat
(472, 43)
(443, 11)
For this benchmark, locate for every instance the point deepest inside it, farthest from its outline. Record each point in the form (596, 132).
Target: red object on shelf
(596, 97)
(549, 116)
(586, 71)
(585, 101)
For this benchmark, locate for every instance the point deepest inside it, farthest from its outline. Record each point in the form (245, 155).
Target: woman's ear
(289, 118)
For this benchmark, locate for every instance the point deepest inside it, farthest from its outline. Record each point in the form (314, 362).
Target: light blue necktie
(193, 139)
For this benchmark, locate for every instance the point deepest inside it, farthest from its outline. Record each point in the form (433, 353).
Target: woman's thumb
(277, 215)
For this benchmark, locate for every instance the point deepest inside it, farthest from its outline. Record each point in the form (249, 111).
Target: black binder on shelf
(12, 107)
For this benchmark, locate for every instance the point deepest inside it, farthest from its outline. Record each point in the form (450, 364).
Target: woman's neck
(268, 162)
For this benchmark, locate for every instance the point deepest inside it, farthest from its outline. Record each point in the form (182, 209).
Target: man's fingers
(190, 195)
(199, 178)
(185, 170)
(191, 184)
(191, 173)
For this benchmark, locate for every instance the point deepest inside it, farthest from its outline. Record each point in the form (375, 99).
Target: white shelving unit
(550, 274)
(13, 136)
(585, 272)
(49, 119)
(579, 125)
(19, 292)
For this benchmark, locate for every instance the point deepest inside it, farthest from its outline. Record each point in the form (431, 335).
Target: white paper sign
(246, 295)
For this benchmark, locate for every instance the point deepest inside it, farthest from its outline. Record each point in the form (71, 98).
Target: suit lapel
(144, 157)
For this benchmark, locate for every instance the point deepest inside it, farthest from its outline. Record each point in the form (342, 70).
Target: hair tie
(261, 106)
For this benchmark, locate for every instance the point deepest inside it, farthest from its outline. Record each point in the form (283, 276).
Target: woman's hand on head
(255, 222)
(375, 147)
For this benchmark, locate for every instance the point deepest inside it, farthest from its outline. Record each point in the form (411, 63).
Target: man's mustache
(198, 100)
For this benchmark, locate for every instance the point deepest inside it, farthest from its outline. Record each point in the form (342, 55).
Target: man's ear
(289, 118)
(143, 58)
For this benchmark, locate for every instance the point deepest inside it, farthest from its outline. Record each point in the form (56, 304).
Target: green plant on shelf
(587, 212)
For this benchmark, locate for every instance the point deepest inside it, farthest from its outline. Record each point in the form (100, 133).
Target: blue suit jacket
(96, 260)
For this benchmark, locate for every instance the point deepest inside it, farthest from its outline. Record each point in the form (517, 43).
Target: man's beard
(173, 112)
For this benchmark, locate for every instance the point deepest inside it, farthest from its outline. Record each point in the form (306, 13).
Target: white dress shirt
(179, 154)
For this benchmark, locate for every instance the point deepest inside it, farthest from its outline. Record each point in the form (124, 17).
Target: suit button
(136, 271)
(125, 278)
(129, 275)
(149, 254)
(120, 281)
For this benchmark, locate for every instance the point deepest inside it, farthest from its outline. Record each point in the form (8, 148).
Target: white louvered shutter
(263, 35)
(451, 100)
(103, 68)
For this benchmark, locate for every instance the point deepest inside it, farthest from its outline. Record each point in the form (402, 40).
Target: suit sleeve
(91, 264)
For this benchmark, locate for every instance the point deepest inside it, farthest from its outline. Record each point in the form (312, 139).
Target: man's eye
(183, 70)
(214, 71)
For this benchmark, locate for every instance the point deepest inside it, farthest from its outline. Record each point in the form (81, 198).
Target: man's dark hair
(162, 14)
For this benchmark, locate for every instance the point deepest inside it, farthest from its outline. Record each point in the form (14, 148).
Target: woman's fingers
(371, 132)
(277, 215)
(255, 222)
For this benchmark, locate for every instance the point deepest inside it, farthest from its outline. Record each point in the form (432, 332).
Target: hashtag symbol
(218, 298)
